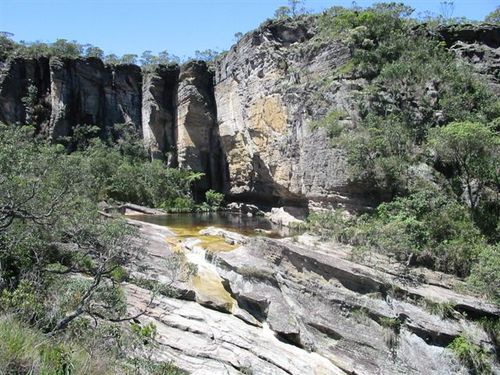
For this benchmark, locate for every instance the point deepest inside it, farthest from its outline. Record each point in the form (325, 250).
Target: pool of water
(191, 223)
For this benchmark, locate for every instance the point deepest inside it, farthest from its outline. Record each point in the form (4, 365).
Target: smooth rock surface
(300, 308)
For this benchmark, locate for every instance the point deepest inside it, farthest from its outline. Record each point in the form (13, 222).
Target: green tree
(206, 55)
(493, 17)
(473, 150)
(128, 58)
(282, 12)
(93, 51)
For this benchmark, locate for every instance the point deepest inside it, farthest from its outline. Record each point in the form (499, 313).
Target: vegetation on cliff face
(427, 140)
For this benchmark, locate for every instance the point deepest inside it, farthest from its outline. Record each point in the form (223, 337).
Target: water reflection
(194, 222)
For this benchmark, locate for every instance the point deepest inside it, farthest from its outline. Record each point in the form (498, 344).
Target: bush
(471, 355)
(426, 227)
(485, 274)
(214, 199)
(25, 350)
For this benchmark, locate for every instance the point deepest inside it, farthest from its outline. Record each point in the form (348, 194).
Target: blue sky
(178, 26)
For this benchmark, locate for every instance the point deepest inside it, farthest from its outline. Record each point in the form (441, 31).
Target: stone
(282, 216)
(198, 146)
(231, 237)
(304, 308)
(159, 112)
(245, 122)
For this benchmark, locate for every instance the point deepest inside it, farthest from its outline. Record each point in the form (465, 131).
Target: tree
(493, 17)
(206, 55)
(111, 59)
(166, 58)
(129, 58)
(92, 51)
(447, 9)
(64, 48)
(237, 36)
(282, 12)
(472, 149)
(296, 7)
(148, 59)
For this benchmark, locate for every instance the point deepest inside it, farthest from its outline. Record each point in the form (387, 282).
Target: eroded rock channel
(295, 306)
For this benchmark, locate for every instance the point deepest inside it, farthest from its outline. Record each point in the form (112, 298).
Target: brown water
(189, 224)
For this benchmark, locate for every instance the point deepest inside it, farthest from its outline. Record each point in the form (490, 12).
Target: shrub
(485, 274)
(471, 355)
(214, 199)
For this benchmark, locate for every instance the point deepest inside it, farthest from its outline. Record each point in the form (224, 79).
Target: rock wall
(245, 122)
(159, 116)
(198, 146)
(267, 90)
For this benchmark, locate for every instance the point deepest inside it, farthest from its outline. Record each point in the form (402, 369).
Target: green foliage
(330, 224)
(416, 84)
(214, 199)
(122, 170)
(485, 274)
(61, 261)
(472, 149)
(360, 315)
(443, 310)
(426, 141)
(149, 61)
(373, 34)
(331, 123)
(427, 228)
(206, 55)
(119, 274)
(392, 323)
(25, 350)
(471, 355)
(24, 302)
(294, 9)
(494, 16)
(147, 331)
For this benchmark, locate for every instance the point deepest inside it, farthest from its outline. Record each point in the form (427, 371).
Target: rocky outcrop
(159, 115)
(197, 134)
(479, 45)
(304, 308)
(74, 92)
(266, 89)
(16, 76)
(85, 91)
(246, 121)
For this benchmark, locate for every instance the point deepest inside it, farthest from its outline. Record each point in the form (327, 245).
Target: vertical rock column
(85, 91)
(16, 77)
(159, 95)
(198, 146)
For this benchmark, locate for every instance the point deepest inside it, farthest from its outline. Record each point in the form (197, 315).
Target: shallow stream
(187, 240)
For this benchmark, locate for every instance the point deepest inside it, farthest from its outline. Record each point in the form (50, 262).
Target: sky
(179, 26)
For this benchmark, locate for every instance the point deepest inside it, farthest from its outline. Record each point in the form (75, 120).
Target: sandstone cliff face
(159, 112)
(245, 122)
(15, 78)
(197, 138)
(267, 92)
(479, 46)
(84, 91)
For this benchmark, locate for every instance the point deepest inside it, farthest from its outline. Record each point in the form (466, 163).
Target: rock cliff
(245, 121)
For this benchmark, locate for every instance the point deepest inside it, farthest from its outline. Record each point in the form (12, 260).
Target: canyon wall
(246, 122)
